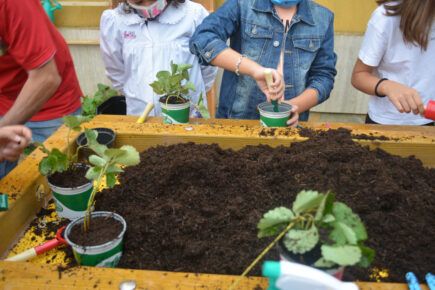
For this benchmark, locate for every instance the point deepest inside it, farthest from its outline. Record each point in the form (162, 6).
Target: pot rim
(71, 188)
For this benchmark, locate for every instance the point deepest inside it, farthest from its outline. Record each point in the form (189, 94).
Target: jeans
(40, 132)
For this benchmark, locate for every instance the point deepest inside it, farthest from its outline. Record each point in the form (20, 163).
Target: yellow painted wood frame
(28, 190)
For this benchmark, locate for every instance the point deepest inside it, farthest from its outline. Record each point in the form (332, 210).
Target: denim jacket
(255, 30)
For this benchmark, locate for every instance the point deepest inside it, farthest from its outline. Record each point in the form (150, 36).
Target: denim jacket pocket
(306, 49)
(255, 40)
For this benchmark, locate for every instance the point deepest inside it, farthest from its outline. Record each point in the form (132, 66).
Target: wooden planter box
(28, 191)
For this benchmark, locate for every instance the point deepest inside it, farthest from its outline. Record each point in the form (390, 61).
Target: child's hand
(277, 88)
(13, 140)
(294, 117)
(404, 98)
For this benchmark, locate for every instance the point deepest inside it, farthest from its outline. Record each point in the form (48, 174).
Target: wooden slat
(14, 275)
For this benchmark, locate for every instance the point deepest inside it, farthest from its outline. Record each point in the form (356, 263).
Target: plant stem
(87, 220)
(68, 146)
(259, 257)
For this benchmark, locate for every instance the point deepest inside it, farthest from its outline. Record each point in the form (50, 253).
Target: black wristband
(377, 86)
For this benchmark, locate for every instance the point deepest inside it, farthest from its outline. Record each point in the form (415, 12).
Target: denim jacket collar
(304, 12)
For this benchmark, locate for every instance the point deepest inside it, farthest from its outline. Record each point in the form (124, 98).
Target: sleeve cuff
(321, 95)
(212, 50)
(40, 60)
(367, 60)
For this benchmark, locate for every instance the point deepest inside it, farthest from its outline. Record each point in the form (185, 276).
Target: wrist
(381, 88)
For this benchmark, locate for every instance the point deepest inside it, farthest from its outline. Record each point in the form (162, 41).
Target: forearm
(365, 82)
(229, 58)
(39, 87)
(306, 100)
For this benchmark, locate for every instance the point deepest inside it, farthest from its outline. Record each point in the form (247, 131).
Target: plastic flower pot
(113, 106)
(106, 137)
(71, 202)
(309, 259)
(107, 254)
(175, 113)
(430, 111)
(270, 118)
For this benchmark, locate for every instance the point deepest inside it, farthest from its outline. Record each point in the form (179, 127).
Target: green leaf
(46, 166)
(55, 161)
(343, 234)
(328, 218)
(93, 173)
(163, 75)
(174, 68)
(184, 67)
(89, 107)
(306, 200)
(97, 161)
(274, 221)
(129, 157)
(113, 153)
(190, 86)
(110, 179)
(325, 206)
(91, 137)
(322, 263)
(345, 215)
(368, 255)
(74, 122)
(301, 241)
(114, 169)
(342, 255)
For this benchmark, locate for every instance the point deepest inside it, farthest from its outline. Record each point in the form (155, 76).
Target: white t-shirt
(384, 48)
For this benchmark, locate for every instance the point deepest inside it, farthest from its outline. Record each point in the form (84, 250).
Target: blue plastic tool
(412, 281)
(50, 6)
(430, 280)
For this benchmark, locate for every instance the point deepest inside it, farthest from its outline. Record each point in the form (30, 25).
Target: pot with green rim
(71, 202)
(270, 118)
(105, 254)
(308, 259)
(175, 113)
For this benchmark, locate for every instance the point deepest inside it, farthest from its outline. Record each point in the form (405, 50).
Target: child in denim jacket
(294, 36)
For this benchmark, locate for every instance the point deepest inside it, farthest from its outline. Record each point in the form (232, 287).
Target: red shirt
(28, 40)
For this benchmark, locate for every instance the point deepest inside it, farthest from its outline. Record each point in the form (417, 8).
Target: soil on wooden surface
(102, 230)
(73, 177)
(173, 100)
(194, 208)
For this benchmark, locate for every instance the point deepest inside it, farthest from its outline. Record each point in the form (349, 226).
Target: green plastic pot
(104, 255)
(71, 202)
(270, 118)
(175, 113)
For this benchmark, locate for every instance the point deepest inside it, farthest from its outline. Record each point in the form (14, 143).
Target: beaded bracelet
(239, 62)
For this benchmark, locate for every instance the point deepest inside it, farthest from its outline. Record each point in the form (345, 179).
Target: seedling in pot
(106, 163)
(317, 220)
(174, 86)
(90, 104)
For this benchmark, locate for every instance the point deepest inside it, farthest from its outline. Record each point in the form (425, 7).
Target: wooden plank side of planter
(14, 275)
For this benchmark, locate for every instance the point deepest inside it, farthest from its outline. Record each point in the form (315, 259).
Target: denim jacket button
(254, 31)
(208, 54)
(276, 43)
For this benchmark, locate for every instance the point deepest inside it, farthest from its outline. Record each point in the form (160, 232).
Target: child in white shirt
(396, 64)
(140, 38)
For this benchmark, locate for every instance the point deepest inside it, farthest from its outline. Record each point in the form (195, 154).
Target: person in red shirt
(38, 83)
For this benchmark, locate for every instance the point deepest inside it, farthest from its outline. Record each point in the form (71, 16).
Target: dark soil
(194, 208)
(310, 133)
(73, 177)
(102, 230)
(173, 100)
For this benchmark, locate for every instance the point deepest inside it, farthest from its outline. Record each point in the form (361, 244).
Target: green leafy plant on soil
(174, 83)
(90, 104)
(56, 160)
(317, 219)
(106, 163)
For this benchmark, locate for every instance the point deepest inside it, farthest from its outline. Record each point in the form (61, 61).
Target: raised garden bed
(187, 215)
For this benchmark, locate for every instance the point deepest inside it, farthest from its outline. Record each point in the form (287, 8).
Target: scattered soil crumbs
(310, 133)
(194, 208)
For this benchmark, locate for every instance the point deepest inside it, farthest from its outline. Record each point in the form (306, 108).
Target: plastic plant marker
(145, 113)
(269, 82)
(4, 205)
(430, 280)
(412, 281)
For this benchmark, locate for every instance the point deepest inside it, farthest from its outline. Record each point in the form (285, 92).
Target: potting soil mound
(194, 208)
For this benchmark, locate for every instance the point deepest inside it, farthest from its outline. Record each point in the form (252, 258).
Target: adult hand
(404, 98)
(277, 88)
(13, 140)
